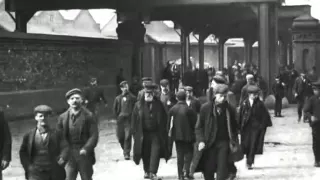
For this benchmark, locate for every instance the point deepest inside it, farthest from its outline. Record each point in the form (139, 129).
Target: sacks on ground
(270, 101)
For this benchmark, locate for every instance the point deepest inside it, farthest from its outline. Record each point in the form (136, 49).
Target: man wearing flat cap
(5, 143)
(150, 133)
(145, 81)
(254, 119)
(181, 130)
(44, 151)
(122, 108)
(244, 90)
(93, 95)
(192, 101)
(312, 111)
(278, 89)
(166, 97)
(216, 132)
(80, 129)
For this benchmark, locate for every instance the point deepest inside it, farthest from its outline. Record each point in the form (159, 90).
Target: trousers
(216, 160)
(81, 164)
(184, 156)
(151, 152)
(278, 106)
(124, 135)
(316, 141)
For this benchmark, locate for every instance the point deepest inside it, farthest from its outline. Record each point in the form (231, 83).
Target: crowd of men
(205, 131)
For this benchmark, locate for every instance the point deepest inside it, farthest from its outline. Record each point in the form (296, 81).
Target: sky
(102, 16)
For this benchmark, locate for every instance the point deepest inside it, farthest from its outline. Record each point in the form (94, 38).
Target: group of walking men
(206, 136)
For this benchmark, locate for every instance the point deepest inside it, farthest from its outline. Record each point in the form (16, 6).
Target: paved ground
(288, 154)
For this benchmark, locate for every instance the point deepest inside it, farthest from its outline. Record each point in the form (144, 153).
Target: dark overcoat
(94, 95)
(195, 104)
(171, 98)
(5, 139)
(88, 130)
(137, 129)
(207, 127)
(58, 148)
(259, 114)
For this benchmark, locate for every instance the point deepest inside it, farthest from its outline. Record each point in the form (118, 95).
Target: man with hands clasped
(44, 151)
(79, 128)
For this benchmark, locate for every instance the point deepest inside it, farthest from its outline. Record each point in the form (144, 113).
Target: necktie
(73, 118)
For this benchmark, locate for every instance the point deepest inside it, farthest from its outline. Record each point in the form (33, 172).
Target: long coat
(259, 114)
(207, 125)
(5, 139)
(89, 129)
(160, 115)
(58, 148)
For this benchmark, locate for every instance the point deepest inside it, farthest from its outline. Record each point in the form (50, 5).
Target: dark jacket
(5, 139)
(131, 100)
(312, 108)
(206, 130)
(255, 118)
(161, 117)
(89, 128)
(195, 104)
(58, 148)
(171, 101)
(94, 95)
(278, 89)
(303, 88)
(184, 121)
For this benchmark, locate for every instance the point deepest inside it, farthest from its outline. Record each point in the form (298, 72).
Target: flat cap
(164, 82)
(219, 73)
(149, 87)
(188, 88)
(123, 83)
(181, 95)
(221, 89)
(253, 89)
(249, 76)
(43, 109)
(72, 92)
(181, 88)
(146, 79)
(316, 85)
(219, 79)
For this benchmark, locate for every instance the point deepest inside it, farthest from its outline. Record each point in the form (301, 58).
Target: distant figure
(278, 90)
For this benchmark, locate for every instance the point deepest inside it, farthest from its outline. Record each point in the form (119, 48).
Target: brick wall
(30, 63)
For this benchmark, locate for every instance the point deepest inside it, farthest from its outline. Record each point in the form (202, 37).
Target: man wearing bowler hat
(122, 108)
(150, 133)
(312, 111)
(44, 151)
(79, 128)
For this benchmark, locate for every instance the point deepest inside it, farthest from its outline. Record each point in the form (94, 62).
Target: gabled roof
(109, 30)
(84, 20)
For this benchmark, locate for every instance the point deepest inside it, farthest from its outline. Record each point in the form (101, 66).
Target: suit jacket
(117, 103)
(5, 139)
(94, 95)
(58, 148)
(89, 128)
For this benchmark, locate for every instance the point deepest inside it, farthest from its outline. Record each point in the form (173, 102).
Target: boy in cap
(166, 97)
(215, 131)
(182, 122)
(44, 151)
(278, 91)
(80, 129)
(253, 120)
(122, 108)
(150, 133)
(312, 111)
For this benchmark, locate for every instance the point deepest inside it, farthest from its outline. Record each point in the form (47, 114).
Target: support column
(248, 50)
(264, 41)
(22, 19)
(274, 44)
(134, 31)
(222, 41)
(185, 50)
(202, 38)
(284, 53)
(290, 53)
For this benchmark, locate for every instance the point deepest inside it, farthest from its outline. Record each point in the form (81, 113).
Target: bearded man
(150, 133)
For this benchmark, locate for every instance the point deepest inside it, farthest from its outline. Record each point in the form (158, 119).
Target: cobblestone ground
(288, 154)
